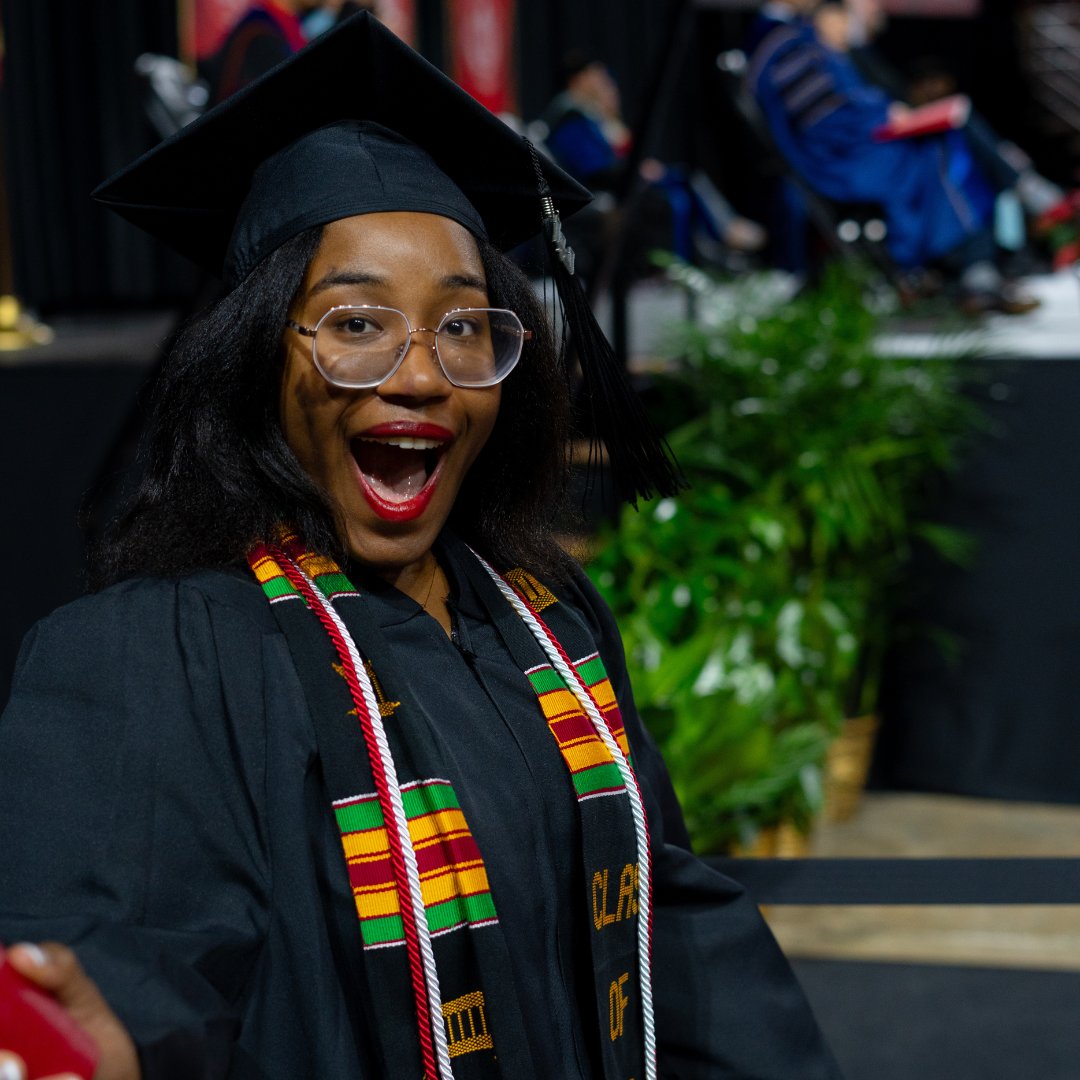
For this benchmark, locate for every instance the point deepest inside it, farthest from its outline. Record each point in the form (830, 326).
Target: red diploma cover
(36, 1027)
(944, 115)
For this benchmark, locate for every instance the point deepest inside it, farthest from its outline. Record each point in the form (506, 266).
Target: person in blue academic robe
(823, 115)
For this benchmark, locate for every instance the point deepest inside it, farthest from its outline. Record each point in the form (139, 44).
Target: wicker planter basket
(847, 766)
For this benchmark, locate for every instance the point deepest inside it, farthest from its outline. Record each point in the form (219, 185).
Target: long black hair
(217, 474)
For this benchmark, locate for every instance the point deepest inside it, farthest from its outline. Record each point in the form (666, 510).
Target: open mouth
(398, 473)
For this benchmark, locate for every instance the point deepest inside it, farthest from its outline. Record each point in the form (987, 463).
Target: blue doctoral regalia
(822, 115)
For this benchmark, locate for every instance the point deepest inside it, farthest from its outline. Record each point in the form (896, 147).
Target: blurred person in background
(1025, 198)
(678, 211)
(324, 16)
(937, 200)
(267, 33)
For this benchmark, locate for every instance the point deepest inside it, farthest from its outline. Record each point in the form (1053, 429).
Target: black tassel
(640, 463)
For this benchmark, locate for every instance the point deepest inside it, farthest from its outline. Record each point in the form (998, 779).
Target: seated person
(937, 202)
(588, 137)
(852, 27)
(267, 33)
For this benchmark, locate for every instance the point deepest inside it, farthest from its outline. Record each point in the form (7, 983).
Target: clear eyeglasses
(361, 347)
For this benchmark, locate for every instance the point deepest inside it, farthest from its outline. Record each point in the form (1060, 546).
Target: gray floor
(932, 1022)
(943, 993)
(902, 825)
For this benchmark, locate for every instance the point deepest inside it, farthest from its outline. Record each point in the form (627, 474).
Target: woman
(341, 776)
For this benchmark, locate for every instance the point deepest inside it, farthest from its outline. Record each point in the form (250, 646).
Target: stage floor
(1051, 331)
(943, 993)
(905, 825)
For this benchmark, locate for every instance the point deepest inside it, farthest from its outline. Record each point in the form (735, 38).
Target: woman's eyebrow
(465, 281)
(346, 277)
(338, 278)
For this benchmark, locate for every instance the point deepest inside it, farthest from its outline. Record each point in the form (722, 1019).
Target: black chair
(853, 231)
(172, 95)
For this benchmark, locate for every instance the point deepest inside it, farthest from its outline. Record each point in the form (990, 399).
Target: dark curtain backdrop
(72, 115)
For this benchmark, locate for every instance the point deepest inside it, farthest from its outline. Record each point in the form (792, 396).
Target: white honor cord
(637, 809)
(412, 872)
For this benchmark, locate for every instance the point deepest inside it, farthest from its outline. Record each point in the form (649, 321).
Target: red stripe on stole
(614, 719)
(611, 709)
(441, 856)
(368, 875)
(448, 852)
(573, 727)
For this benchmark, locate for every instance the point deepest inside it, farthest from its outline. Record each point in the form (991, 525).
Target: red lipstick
(417, 429)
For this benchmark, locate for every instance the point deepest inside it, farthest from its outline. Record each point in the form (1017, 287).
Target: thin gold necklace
(431, 583)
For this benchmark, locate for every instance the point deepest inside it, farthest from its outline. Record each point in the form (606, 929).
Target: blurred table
(995, 711)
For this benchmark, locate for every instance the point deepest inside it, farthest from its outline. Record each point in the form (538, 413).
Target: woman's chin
(387, 547)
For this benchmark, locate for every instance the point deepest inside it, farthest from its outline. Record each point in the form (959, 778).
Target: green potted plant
(755, 606)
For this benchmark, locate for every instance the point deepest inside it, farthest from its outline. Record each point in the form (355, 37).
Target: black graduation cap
(189, 190)
(356, 122)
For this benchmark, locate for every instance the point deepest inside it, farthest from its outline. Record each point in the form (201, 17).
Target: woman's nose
(420, 372)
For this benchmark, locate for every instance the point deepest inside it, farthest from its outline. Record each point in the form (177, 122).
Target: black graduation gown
(162, 810)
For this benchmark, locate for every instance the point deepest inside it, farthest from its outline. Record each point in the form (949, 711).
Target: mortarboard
(358, 122)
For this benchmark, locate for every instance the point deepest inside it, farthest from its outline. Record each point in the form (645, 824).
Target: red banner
(482, 50)
(204, 24)
(399, 16)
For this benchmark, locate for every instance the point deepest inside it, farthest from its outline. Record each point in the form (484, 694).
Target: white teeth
(407, 443)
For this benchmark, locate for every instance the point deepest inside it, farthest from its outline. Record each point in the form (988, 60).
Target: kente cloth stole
(434, 971)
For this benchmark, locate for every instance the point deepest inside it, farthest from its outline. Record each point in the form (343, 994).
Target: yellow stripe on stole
(314, 565)
(374, 901)
(357, 845)
(451, 883)
(439, 838)
(266, 570)
(603, 694)
(447, 883)
(424, 831)
(586, 754)
(559, 703)
(436, 824)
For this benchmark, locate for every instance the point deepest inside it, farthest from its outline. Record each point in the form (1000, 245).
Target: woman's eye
(458, 328)
(358, 324)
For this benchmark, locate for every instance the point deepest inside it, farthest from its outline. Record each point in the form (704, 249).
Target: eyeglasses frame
(311, 331)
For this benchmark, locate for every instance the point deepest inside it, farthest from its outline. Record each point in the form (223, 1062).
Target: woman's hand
(56, 970)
